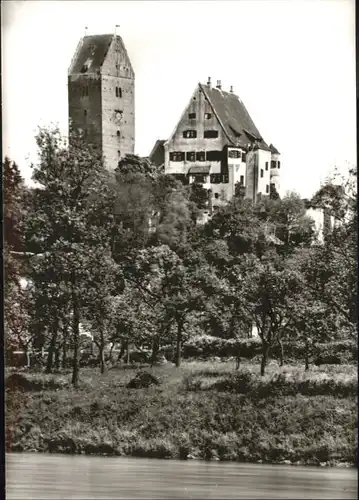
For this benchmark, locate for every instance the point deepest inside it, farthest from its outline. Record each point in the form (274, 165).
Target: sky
(292, 63)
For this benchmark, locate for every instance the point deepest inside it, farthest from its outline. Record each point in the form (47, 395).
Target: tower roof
(234, 117)
(91, 52)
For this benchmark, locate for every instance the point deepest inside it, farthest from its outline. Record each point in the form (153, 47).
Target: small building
(101, 96)
(216, 143)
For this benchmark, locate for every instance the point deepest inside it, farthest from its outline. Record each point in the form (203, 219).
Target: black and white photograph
(180, 234)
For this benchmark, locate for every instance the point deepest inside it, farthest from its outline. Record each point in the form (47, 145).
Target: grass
(202, 410)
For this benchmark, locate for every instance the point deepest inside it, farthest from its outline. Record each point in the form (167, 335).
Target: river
(44, 476)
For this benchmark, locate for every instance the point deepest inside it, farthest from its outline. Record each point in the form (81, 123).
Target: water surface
(45, 476)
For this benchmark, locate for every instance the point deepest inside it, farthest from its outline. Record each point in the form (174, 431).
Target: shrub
(143, 380)
(206, 346)
(19, 382)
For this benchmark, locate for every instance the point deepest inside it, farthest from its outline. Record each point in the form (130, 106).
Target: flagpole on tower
(116, 26)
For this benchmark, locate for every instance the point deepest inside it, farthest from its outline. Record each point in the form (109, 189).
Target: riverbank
(200, 411)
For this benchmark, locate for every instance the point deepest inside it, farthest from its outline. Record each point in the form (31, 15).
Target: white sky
(291, 62)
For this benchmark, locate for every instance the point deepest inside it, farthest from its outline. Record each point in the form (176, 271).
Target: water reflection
(42, 476)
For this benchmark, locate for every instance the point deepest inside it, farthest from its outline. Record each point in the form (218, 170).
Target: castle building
(101, 96)
(216, 143)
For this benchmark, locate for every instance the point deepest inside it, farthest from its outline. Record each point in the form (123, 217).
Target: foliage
(69, 227)
(121, 255)
(104, 418)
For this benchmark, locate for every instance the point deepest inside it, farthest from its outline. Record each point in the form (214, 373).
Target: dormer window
(190, 134)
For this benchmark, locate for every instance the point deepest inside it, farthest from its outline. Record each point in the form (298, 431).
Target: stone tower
(101, 95)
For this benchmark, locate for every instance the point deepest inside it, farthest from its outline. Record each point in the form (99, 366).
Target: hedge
(206, 346)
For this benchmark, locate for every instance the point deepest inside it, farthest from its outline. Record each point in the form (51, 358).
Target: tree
(100, 313)
(70, 223)
(332, 269)
(287, 219)
(271, 286)
(15, 317)
(173, 288)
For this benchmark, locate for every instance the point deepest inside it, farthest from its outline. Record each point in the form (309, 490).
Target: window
(214, 155)
(267, 189)
(207, 116)
(119, 153)
(279, 164)
(200, 178)
(216, 195)
(266, 165)
(234, 153)
(244, 156)
(210, 134)
(176, 156)
(201, 156)
(190, 134)
(85, 112)
(225, 178)
(118, 133)
(216, 178)
(191, 116)
(241, 180)
(118, 92)
(262, 172)
(191, 156)
(272, 164)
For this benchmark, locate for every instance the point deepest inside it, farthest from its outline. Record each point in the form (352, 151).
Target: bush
(18, 382)
(206, 346)
(277, 385)
(143, 380)
(240, 382)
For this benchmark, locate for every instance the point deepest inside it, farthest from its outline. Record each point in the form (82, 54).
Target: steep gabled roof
(157, 155)
(273, 149)
(92, 52)
(234, 117)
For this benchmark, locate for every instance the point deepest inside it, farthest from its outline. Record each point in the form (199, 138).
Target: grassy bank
(202, 410)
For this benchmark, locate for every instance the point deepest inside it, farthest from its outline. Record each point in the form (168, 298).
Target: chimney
(219, 86)
(209, 81)
(231, 89)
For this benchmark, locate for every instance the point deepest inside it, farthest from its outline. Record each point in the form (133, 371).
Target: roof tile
(237, 123)
(92, 53)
